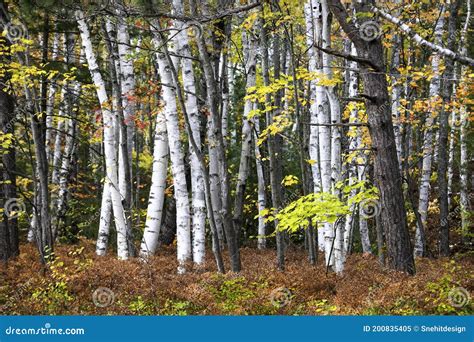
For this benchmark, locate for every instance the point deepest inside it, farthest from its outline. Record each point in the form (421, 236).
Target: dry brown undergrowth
(155, 288)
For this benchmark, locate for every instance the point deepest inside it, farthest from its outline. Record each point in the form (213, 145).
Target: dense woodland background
(233, 157)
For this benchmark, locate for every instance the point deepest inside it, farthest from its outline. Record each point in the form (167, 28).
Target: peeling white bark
(59, 138)
(313, 37)
(464, 135)
(428, 148)
(352, 169)
(51, 101)
(110, 149)
(453, 136)
(69, 147)
(154, 216)
(261, 200)
(104, 223)
(183, 227)
(127, 84)
(250, 54)
(198, 201)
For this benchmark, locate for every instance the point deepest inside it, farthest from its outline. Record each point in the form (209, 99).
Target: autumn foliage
(153, 287)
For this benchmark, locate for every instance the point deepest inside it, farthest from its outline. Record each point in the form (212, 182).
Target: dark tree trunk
(380, 240)
(168, 227)
(8, 224)
(386, 169)
(274, 142)
(43, 233)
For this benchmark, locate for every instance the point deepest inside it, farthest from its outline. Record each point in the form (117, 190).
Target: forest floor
(80, 283)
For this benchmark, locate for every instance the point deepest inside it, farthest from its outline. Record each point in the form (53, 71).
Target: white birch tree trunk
(353, 132)
(335, 107)
(104, 223)
(126, 80)
(464, 172)
(396, 96)
(59, 138)
(183, 227)
(424, 192)
(110, 149)
(250, 55)
(198, 201)
(32, 229)
(215, 185)
(464, 137)
(325, 141)
(197, 177)
(362, 157)
(229, 131)
(69, 147)
(121, 144)
(313, 32)
(453, 136)
(261, 199)
(51, 101)
(361, 174)
(154, 217)
(325, 162)
(224, 79)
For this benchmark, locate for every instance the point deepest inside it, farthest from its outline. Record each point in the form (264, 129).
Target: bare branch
(423, 42)
(350, 57)
(342, 124)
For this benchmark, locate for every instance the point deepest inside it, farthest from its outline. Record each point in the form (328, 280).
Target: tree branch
(342, 124)
(184, 18)
(423, 42)
(350, 57)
